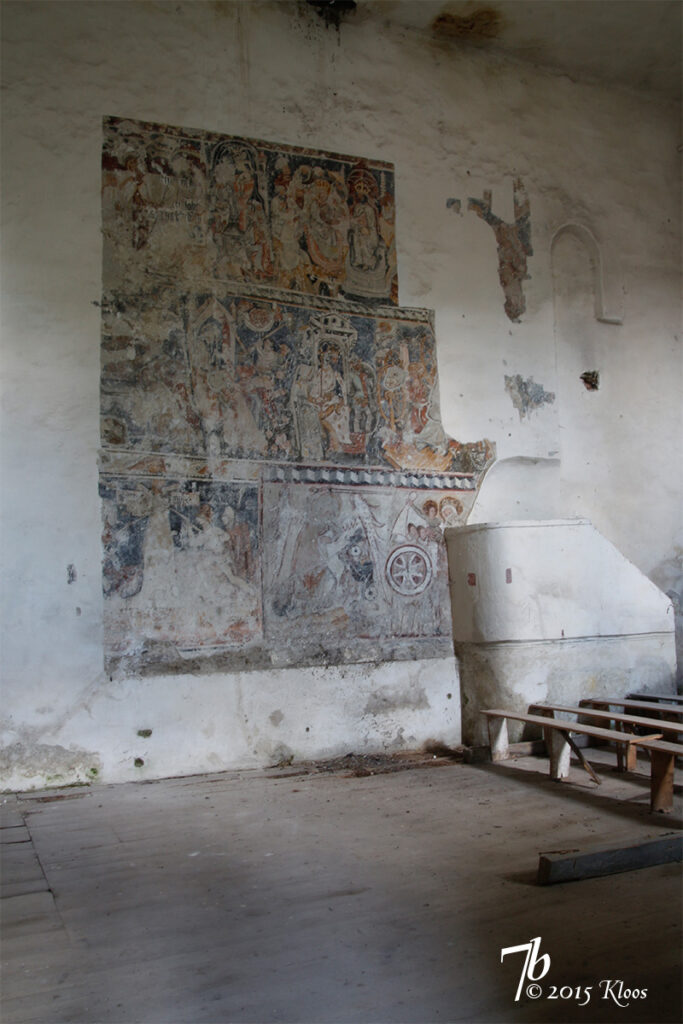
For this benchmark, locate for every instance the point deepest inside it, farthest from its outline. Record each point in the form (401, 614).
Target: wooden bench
(626, 757)
(560, 745)
(668, 711)
(667, 698)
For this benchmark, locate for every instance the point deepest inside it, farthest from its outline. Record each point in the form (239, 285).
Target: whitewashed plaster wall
(455, 123)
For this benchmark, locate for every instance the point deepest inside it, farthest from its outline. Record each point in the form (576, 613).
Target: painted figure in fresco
(146, 385)
(325, 562)
(362, 397)
(263, 374)
(328, 395)
(286, 215)
(311, 584)
(391, 376)
(450, 510)
(228, 425)
(221, 537)
(123, 537)
(366, 247)
(325, 225)
(179, 230)
(156, 543)
(358, 562)
(320, 406)
(367, 263)
(238, 224)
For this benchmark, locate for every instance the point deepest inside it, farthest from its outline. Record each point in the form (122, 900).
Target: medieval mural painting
(275, 477)
(214, 208)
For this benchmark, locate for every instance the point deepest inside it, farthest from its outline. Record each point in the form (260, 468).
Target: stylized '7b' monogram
(532, 960)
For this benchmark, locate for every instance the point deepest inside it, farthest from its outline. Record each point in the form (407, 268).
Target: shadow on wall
(668, 576)
(518, 488)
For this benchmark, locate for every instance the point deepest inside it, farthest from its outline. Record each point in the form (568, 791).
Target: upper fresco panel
(193, 205)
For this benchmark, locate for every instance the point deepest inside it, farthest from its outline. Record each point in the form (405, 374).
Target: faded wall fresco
(214, 207)
(513, 243)
(274, 475)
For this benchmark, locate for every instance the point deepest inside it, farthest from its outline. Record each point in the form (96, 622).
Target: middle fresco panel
(239, 377)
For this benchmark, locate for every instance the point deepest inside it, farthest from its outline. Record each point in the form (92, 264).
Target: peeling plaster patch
(48, 764)
(71, 574)
(527, 395)
(382, 701)
(454, 204)
(514, 245)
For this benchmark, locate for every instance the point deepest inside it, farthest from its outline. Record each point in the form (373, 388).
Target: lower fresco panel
(181, 570)
(210, 576)
(355, 574)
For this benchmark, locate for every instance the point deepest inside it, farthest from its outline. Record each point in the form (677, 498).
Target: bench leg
(538, 709)
(626, 754)
(498, 738)
(631, 757)
(560, 753)
(661, 781)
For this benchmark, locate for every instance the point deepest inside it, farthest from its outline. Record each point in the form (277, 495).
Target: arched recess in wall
(607, 300)
(587, 310)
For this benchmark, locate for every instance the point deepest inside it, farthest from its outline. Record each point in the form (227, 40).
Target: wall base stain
(43, 764)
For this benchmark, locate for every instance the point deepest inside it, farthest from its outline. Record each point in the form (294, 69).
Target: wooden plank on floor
(14, 834)
(8, 890)
(21, 871)
(28, 914)
(594, 861)
(9, 816)
(19, 863)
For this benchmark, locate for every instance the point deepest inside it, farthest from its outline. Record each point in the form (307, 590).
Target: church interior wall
(537, 229)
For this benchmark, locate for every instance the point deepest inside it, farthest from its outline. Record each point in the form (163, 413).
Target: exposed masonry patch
(591, 380)
(514, 245)
(527, 395)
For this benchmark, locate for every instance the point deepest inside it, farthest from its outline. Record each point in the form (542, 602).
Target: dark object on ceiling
(332, 11)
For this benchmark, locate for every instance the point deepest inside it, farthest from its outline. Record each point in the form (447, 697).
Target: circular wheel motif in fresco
(409, 570)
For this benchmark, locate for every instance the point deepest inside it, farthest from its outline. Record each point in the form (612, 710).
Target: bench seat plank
(670, 710)
(565, 726)
(614, 716)
(673, 698)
